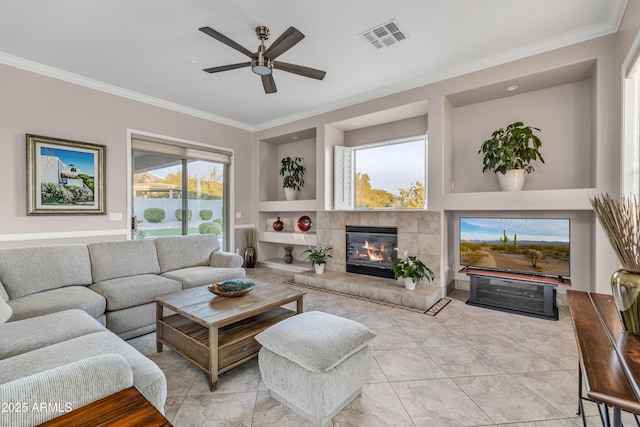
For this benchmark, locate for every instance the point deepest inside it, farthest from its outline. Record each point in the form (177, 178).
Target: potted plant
(318, 257)
(412, 270)
(293, 172)
(509, 153)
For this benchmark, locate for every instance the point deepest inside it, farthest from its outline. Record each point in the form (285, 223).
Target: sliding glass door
(177, 196)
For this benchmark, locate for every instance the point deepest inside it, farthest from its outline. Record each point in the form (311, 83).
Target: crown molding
(56, 73)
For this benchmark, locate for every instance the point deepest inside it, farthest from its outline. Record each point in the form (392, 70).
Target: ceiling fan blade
(226, 40)
(286, 41)
(227, 67)
(269, 84)
(300, 70)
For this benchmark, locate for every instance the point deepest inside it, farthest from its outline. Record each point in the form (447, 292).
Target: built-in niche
(561, 102)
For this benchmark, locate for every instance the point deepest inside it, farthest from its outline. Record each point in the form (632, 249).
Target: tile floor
(467, 366)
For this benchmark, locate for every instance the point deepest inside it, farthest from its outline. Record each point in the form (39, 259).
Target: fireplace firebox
(371, 250)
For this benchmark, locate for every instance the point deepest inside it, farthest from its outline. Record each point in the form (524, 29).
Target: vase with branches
(620, 220)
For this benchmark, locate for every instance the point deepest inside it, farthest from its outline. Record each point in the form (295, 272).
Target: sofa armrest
(225, 259)
(41, 397)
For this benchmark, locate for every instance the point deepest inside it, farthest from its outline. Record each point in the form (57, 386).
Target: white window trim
(344, 172)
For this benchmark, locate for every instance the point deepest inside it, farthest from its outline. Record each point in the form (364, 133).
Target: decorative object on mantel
(318, 257)
(231, 288)
(411, 269)
(509, 153)
(250, 251)
(304, 223)
(278, 225)
(293, 172)
(620, 220)
(288, 256)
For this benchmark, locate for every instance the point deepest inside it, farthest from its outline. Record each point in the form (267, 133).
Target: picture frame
(65, 177)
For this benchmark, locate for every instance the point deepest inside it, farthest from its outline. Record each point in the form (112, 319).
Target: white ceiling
(152, 49)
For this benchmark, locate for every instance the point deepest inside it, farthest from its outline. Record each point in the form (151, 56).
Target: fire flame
(375, 253)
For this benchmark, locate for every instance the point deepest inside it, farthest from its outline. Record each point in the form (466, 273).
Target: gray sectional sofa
(74, 304)
(115, 282)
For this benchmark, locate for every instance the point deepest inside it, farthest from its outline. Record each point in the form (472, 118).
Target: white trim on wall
(61, 235)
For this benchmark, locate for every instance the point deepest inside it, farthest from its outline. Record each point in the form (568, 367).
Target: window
(179, 189)
(387, 175)
(631, 123)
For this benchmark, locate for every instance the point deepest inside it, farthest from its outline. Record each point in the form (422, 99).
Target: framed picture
(64, 177)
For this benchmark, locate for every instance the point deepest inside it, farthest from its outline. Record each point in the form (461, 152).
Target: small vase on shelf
(278, 225)
(288, 256)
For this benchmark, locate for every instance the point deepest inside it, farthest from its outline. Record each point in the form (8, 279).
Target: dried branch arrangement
(620, 220)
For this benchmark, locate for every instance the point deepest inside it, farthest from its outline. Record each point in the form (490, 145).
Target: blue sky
(535, 229)
(391, 168)
(84, 161)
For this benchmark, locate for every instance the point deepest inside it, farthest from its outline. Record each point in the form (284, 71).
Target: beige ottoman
(315, 363)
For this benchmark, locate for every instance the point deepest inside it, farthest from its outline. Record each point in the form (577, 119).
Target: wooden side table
(125, 408)
(609, 362)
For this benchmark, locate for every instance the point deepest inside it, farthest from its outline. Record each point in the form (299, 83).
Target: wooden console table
(609, 362)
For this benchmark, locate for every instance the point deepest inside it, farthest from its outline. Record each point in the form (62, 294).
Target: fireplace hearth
(371, 250)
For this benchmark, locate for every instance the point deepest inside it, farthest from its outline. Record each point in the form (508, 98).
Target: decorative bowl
(231, 288)
(304, 223)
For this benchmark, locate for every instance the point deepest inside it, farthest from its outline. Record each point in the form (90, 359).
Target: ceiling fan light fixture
(262, 68)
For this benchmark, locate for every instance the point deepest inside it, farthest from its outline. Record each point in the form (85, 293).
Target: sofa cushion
(147, 377)
(125, 292)
(110, 260)
(315, 340)
(200, 276)
(30, 334)
(185, 251)
(133, 321)
(3, 293)
(70, 297)
(25, 271)
(70, 386)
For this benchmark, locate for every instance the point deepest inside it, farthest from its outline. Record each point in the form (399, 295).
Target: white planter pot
(513, 180)
(290, 193)
(319, 268)
(409, 283)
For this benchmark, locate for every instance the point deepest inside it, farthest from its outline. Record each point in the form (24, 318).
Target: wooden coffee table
(216, 333)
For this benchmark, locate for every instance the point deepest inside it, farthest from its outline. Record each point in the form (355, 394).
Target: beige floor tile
(378, 406)
(407, 364)
(439, 402)
(443, 370)
(505, 400)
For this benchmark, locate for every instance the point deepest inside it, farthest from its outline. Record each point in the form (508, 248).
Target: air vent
(384, 35)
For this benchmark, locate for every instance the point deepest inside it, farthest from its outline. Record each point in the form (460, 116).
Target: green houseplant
(509, 153)
(412, 270)
(318, 257)
(292, 170)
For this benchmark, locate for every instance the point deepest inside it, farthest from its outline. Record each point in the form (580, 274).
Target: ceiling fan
(263, 61)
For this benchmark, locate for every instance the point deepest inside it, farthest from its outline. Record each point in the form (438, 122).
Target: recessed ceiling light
(512, 88)
(355, 123)
(294, 137)
(193, 61)
(406, 112)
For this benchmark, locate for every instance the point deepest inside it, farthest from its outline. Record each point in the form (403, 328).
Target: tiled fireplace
(418, 233)
(371, 250)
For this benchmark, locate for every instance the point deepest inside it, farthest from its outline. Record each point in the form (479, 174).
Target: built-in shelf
(288, 206)
(556, 200)
(279, 264)
(287, 238)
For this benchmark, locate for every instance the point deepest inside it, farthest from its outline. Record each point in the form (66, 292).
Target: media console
(515, 292)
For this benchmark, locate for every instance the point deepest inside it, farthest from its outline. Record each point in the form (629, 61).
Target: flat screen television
(519, 245)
